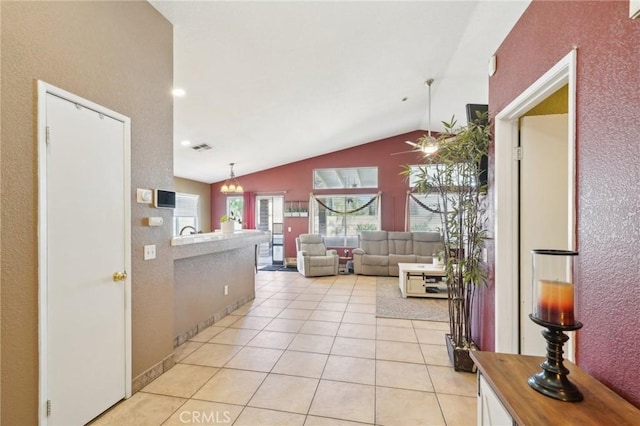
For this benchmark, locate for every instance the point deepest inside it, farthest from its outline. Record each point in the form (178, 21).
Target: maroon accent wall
(297, 180)
(608, 173)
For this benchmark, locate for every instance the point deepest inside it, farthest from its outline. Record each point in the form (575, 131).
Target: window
(421, 218)
(456, 176)
(235, 210)
(423, 208)
(339, 218)
(185, 214)
(345, 178)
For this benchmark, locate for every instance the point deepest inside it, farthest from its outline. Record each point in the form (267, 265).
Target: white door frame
(43, 90)
(507, 333)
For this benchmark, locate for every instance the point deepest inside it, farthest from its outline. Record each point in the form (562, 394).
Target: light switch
(150, 252)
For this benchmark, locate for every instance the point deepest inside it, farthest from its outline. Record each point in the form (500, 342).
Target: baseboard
(156, 370)
(152, 373)
(179, 340)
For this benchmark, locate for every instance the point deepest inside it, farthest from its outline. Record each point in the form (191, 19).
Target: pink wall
(608, 176)
(297, 180)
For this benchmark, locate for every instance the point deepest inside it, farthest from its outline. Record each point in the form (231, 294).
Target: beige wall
(117, 54)
(200, 281)
(204, 203)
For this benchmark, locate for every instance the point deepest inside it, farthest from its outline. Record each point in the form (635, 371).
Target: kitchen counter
(214, 274)
(213, 242)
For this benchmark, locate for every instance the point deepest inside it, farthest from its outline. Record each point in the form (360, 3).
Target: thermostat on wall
(164, 199)
(144, 196)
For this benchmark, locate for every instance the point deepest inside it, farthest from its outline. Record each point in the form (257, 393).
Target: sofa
(313, 259)
(379, 252)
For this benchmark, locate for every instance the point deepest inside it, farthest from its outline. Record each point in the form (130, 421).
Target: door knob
(119, 276)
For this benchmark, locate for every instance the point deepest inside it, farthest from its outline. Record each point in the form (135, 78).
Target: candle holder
(553, 303)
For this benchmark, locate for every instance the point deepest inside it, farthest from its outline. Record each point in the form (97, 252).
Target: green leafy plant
(366, 227)
(230, 218)
(453, 174)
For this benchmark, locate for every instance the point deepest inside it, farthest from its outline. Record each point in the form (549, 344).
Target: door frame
(256, 213)
(507, 298)
(43, 90)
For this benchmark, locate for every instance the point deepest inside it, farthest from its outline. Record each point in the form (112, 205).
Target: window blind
(186, 205)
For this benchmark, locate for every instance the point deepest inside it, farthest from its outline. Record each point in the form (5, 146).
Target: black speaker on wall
(472, 115)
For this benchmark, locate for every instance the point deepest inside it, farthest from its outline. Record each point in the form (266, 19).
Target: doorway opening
(269, 216)
(507, 208)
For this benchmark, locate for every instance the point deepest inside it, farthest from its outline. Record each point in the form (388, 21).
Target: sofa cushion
(394, 259)
(374, 242)
(400, 243)
(375, 260)
(313, 249)
(427, 243)
(312, 245)
(424, 259)
(321, 261)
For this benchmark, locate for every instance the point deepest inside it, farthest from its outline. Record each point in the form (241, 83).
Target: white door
(544, 208)
(85, 218)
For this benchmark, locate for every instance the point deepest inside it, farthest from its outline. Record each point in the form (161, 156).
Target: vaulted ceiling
(269, 83)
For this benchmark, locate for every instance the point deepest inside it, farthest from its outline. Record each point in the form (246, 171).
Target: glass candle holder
(553, 287)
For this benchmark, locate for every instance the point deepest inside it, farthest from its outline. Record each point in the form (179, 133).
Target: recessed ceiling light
(178, 92)
(185, 143)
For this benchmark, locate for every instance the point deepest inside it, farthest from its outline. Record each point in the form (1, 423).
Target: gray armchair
(313, 258)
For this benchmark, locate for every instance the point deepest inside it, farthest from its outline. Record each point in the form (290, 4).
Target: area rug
(390, 304)
(280, 268)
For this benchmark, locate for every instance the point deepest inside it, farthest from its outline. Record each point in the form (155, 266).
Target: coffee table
(421, 280)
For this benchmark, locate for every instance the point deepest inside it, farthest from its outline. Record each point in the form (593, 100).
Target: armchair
(313, 258)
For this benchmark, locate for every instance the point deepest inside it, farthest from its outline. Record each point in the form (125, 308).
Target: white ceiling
(269, 83)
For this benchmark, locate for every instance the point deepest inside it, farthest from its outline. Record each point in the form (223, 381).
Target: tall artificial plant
(453, 173)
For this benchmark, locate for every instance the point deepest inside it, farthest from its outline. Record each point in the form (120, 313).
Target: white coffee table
(421, 280)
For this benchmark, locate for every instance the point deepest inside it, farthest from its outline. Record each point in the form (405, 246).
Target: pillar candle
(555, 302)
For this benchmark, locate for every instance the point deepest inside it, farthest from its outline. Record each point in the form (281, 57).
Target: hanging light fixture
(231, 185)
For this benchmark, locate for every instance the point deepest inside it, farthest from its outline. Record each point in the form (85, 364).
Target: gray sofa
(379, 252)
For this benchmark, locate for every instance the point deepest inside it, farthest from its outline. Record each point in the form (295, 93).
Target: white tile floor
(308, 352)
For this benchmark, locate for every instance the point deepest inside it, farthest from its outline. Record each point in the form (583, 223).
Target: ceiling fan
(430, 144)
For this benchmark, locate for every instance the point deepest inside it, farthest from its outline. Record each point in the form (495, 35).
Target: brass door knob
(119, 276)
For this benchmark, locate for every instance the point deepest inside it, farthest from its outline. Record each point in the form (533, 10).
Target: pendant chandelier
(231, 185)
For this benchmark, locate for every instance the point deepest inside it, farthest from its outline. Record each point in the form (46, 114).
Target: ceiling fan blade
(404, 152)
(413, 144)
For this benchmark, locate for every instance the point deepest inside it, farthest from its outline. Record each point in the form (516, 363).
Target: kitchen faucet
(195, 231)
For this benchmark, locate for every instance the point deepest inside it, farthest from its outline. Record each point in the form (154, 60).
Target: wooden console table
(505, 397)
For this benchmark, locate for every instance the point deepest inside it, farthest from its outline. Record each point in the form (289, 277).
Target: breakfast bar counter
(214, 274)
